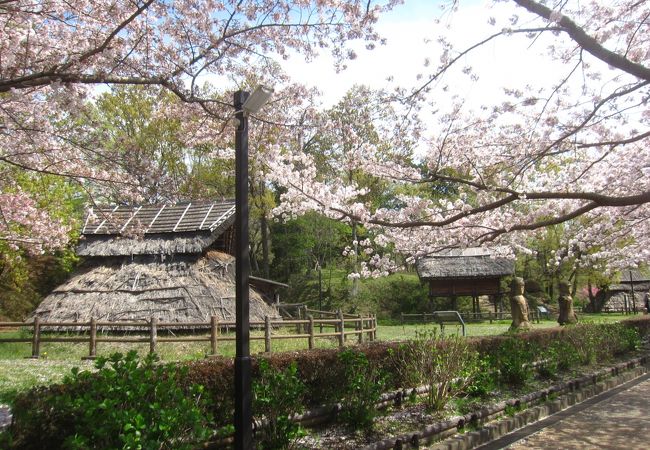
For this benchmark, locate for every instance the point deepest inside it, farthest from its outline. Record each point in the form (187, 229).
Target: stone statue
(518, 305)
(567, 315)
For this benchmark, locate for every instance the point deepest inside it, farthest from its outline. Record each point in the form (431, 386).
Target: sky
(407, 29)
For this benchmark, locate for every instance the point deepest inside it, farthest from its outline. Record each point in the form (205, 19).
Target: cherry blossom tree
(569, 150)
(55, 53)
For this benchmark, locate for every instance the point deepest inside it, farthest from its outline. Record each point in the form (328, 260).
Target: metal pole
(243, 399)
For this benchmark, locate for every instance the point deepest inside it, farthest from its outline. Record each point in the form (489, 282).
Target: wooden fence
(341, 328)
(491, 316)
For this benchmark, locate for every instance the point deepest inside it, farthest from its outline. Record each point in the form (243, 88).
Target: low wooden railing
(491, 316)
(361, 327)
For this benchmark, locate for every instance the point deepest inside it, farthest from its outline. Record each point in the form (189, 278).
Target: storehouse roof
(629, 276)
(464, 263)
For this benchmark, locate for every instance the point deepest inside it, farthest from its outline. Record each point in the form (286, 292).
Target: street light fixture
(257, 99)
(245, 105)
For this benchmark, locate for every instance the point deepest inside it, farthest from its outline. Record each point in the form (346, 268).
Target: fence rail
(491, 316)
(339, 327)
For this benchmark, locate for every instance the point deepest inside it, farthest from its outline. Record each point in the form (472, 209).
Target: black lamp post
(244, 105)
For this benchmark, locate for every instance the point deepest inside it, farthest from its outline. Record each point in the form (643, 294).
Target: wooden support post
(36, 338)
(402, 317)
(214, 333)
(360, 329)
(311, 332)
(267, 334)
(341, 329)
(299, 314)
(92, 346)
(374, 327)
(153, 335)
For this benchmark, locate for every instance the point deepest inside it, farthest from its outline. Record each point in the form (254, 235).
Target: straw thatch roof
(471, 263)
(189, 227)
(168, 262)
(173, 290)
(632, 276)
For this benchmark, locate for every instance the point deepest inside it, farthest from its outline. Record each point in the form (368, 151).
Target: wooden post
(214, 333)
(360, 329)
(36, 340)
(342, 329)
(153, 335)
(401, 318)
(374, 327)
(311, 332)
(92, 350)
(267, 334)
(299, 314)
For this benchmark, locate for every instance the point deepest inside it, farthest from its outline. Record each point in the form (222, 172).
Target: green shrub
(513, 360)
(446, 364)
(548, 365)
(361, 388)
(616, 338)
(127, 404)
(585, 339)
(277, 394)
(565, 354)
(483, 381)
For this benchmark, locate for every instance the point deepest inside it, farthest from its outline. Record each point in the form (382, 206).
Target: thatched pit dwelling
(168, 262)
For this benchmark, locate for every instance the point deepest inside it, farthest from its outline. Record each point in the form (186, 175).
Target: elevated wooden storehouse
(172, 262)
(468, 272)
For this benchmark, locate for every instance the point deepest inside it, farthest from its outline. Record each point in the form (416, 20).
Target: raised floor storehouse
(172, 262)
(468, 272)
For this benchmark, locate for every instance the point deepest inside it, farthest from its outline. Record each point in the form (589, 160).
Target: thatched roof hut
(464, 272)
(618, 297)
(170, 262)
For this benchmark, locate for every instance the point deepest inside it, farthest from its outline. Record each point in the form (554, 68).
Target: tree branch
(588, 43)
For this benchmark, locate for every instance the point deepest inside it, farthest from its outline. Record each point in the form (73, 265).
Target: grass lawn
(18, 373)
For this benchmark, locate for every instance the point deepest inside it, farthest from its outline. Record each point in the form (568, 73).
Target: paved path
(617, 419)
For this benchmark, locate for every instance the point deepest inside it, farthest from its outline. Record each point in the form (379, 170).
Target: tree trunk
(592, 298)
(355, 248)
(264, 230)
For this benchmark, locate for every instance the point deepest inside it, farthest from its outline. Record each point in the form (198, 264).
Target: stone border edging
(574, 391)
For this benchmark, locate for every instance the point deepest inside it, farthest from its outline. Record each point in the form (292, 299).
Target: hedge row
(320, 369)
